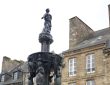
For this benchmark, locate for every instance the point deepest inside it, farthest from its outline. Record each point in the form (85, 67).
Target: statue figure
(47, 24)
(32, 69)
(40, 72)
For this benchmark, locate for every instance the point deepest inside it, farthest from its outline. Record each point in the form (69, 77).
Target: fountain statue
(45, 65)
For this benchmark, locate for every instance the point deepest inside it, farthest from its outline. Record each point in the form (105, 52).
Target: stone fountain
(44, 65)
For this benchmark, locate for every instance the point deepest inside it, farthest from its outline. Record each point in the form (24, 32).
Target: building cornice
(84, 50)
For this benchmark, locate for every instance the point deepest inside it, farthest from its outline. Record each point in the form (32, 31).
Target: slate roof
(23, 67)
(11, 81)
(99, 37)
(102, 32)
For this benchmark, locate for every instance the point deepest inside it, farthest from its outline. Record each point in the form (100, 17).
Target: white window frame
(15, 75)
(74, 83)
(3, 78)
(72, 67)
(90, 63)
(90, 82)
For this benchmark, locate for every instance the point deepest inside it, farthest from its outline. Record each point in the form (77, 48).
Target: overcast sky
(20, 23)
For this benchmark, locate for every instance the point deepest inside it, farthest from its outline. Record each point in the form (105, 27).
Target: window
(15, 75)
(3, 78)
(90, 63)
(72, 83)
(72, 67)
(20, 83)
(90, 82)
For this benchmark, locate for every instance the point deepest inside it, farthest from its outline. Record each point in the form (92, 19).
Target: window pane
(72, 66)
(72, 83)
(90, 63)
(74, 72)
(93, 69)
(90, 82)
(71, 73)
(2, 78)
(71, 61)
(15, 75)
(88, 70)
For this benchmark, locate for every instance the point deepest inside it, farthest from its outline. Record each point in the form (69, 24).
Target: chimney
(78, 32)
(8, 64)
(109, 13)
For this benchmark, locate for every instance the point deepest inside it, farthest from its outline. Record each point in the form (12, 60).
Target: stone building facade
(87, 62)
(14, 72)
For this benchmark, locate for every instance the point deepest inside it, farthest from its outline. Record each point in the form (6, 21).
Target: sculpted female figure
(47, 24)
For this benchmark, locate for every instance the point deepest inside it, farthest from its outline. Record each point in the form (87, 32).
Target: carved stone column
(45, 39)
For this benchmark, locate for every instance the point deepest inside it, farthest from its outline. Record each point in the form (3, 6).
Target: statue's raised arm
(47, 24)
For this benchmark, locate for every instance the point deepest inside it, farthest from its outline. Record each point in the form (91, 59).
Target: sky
(21, 23)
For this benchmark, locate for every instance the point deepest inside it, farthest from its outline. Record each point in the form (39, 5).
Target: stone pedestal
(45, 39)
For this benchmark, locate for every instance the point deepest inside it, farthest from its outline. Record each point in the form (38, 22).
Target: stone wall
(102, 67)
(79, 32)
(8, 64)
(109, 13)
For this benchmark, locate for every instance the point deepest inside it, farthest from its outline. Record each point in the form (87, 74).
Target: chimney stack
(109, 13)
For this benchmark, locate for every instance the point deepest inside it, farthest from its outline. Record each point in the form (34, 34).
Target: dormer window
(15, 75)
(3, 78)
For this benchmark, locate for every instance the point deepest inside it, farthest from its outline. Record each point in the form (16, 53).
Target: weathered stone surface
(79, 32)
(8, 64)
(109, 13)
(102, 63)
(83, 41)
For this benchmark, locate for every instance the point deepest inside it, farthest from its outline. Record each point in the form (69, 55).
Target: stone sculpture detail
(42, 64)
(47, 24)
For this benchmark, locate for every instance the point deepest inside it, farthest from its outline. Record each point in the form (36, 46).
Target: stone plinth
(45, 39)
